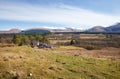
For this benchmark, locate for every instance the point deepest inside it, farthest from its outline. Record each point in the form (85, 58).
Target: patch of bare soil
(112, 53)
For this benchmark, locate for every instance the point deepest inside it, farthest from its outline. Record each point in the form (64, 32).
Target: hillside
(110, 29)
(114, 28)
(10, 31)
(28, 63)
(32, 31)
(96, 29)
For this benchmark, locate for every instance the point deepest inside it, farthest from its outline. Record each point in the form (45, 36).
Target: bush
(90, 47)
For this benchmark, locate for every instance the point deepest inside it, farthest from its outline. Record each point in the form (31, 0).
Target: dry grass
(110, 52)
(68, 48)
(92, 36)
(20, 62)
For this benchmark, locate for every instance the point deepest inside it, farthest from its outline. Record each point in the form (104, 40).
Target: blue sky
(78, 14)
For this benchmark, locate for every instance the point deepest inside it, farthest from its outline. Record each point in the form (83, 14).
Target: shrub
(90, 47)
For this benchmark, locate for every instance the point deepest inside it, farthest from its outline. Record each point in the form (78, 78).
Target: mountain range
(111, 29)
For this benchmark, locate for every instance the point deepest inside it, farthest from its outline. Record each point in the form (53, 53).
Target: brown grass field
(93, 56)
(109, 52)
(63, 62)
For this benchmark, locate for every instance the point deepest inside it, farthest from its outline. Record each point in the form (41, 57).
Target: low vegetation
(88, 41)
(23, 39)
(71, 56)
(32, 63)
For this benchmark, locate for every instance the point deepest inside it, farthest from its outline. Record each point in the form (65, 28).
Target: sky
(77, 14)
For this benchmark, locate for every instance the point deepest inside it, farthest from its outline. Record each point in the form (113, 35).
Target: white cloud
(61, 14)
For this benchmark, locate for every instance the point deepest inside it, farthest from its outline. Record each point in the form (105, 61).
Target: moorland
(72, 56)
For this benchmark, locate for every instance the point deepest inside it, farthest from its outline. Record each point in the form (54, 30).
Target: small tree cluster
(29, 39)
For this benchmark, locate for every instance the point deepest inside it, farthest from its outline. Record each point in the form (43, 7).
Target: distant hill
(113, 28)
(96, 29)
(10, 31)
(45, 30)
(33, 31)
(66, 30)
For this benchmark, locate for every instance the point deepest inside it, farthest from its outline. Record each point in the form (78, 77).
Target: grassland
(21, 62)
(92, 41)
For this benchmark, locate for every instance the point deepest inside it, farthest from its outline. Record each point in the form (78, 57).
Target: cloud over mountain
(61, 14)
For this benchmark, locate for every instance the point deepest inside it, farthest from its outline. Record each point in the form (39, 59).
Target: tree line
(24, 39)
